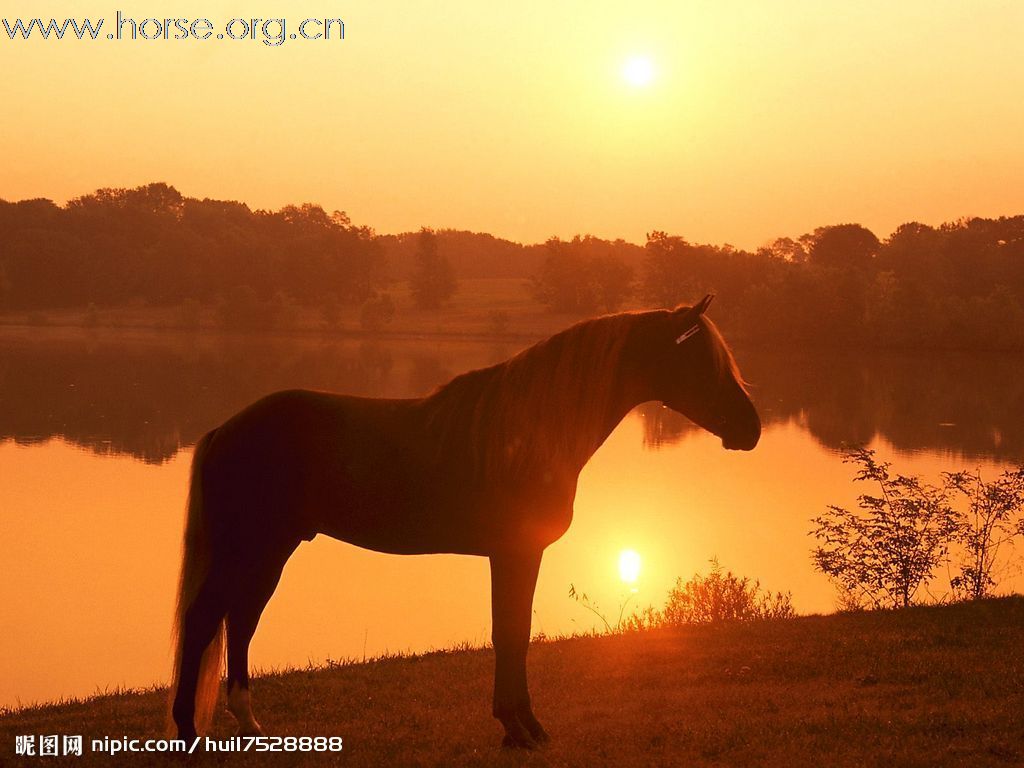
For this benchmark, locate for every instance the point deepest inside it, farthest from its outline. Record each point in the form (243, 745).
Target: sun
(638, 71)
(629, 566)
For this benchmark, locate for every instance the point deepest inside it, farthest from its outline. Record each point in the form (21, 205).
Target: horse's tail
(195, 566)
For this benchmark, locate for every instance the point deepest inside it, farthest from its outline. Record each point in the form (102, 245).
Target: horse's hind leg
(255, 582)
(201, 623)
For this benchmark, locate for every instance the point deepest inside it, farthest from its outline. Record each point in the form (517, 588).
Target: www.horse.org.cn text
(270, 32)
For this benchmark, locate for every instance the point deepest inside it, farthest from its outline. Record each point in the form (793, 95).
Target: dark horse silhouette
(487, 465)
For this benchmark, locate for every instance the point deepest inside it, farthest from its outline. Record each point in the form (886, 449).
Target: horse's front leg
(513, 579)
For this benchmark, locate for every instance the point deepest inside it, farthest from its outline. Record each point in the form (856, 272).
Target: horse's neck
(624, 397)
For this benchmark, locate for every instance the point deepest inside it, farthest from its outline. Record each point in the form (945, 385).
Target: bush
(991, 521)
(721, 596)
(886, 550)
(715, 598)
(881, 556)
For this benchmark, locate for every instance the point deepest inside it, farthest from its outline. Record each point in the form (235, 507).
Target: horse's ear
(697, 309)
(702, 307)
(691, 318)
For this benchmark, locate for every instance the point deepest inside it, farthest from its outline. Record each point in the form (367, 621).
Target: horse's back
(359, 469)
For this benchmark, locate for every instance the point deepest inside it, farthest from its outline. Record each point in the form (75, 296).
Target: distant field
(473, 311)
(936, 686)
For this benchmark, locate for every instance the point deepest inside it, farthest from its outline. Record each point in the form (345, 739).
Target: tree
(559, 283)
(433, 280)
(612, 281)
(886, 551)
(785, 249)
(583, 275)
(668, 278)
(844, 246)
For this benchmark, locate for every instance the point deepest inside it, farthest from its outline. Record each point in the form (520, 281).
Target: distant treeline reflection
(149, 398)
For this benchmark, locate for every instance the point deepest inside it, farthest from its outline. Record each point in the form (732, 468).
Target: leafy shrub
(718, 597)
(721, 596)
(884, 551)
(881, 555)
(990, 522)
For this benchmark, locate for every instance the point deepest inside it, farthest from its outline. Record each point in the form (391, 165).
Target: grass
(924, 686)
(469, 314)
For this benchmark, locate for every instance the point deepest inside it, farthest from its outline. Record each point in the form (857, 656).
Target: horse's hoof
(540, 735)
(187, 736)
(534, 728)
(521, 742)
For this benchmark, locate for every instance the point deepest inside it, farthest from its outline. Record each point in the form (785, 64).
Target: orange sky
(762, 119)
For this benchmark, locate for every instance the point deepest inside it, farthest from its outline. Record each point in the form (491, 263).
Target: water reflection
(91, 538)
(962, 405)
(150, 396)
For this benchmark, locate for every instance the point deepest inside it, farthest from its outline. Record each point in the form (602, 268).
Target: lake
(96, 436)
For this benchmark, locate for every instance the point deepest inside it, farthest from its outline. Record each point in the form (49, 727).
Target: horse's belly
(401, 517)
(478, 528)
(404, 534)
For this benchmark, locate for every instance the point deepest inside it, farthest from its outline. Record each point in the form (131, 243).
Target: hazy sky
(761, 119)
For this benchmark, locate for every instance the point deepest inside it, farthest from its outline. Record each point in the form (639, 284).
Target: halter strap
(688, 333)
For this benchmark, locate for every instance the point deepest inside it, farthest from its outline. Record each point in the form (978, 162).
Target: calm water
(95, 442)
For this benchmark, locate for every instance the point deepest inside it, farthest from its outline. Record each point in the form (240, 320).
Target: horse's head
(696, 375)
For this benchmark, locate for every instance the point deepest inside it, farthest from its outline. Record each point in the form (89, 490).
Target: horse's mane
(724, 361)
(536, 408)
(544, 405)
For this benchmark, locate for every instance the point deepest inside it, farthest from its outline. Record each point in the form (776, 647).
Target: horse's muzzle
(742, 439)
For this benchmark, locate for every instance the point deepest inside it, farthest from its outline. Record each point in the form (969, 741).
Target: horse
(487, 465)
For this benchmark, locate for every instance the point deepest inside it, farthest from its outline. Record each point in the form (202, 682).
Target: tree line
(960, 284)
(153, 244)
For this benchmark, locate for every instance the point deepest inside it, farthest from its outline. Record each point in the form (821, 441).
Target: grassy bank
(935, 686)
(482, 308)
